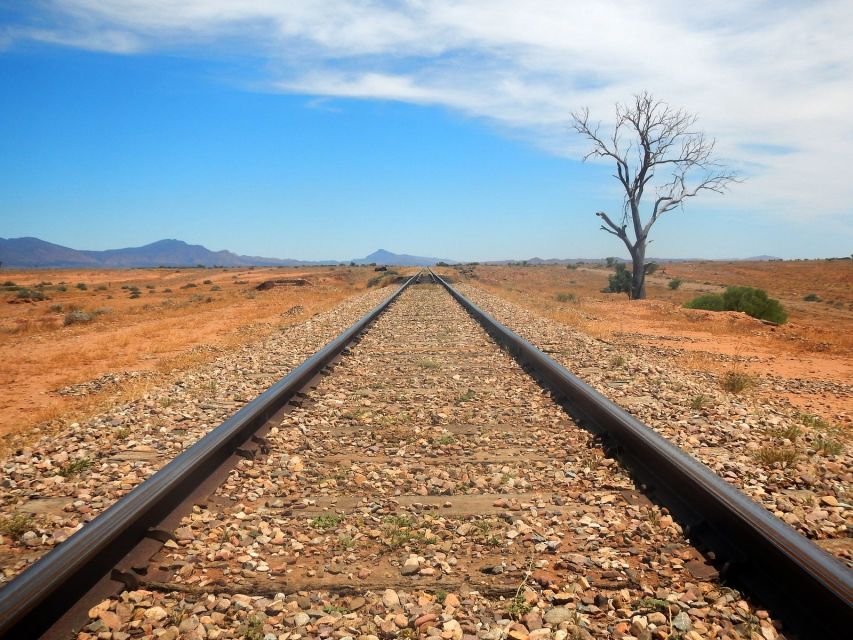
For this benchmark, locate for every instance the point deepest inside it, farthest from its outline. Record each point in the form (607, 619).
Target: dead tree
(655, 147)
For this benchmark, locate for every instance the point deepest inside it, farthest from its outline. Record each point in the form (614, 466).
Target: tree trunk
(638, 274)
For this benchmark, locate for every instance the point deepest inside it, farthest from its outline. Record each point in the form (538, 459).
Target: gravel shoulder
(798, 467)
(50, 489)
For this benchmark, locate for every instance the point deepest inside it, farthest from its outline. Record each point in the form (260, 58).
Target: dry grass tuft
(772, 455)
(737, 381)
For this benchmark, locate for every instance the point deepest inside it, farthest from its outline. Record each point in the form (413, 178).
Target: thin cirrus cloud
(771, 80)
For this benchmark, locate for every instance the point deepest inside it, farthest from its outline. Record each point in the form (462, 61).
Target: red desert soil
(173, 325)
(180, 318)
(814, 346)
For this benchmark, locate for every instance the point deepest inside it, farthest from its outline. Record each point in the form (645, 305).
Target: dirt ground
(813, 348)
(154, 321)
(147, 325)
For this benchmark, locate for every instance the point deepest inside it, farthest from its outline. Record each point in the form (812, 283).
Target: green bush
(755, 303)
(675, 283)
(620, 281)
(749, 300)
(811, 297)
(708, 301)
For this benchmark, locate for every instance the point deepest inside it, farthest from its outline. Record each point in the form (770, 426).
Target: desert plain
(143, 327)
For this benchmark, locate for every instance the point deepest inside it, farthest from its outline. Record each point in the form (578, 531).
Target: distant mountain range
(31, 253)
(401, 259)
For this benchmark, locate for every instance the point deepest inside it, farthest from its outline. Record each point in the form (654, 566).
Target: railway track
(429, 485)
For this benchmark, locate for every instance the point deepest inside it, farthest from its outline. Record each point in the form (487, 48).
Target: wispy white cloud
(110, 41)
(763, 75)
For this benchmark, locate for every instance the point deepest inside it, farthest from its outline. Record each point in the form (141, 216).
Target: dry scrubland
(145, 327)
(813, 347)
(119, 332)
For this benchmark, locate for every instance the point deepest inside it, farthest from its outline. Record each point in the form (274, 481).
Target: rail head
(782, 566)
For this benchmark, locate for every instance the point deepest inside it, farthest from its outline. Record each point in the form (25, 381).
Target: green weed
(16, 524)
(326, 521)
(75, 467)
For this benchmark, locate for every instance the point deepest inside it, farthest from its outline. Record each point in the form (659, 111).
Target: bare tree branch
(650, 138)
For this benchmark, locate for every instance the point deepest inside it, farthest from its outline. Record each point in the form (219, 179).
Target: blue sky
(294, 132)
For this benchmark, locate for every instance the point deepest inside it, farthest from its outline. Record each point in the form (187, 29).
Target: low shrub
(77, 316)
(82, 286)
(620, 281)
(675, 283)
(30, 294)
(566, 297)
(811, 297)
(707, 301)
(749, 300)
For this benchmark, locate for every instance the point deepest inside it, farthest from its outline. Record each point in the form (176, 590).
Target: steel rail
(39, 596)
(810, 590)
